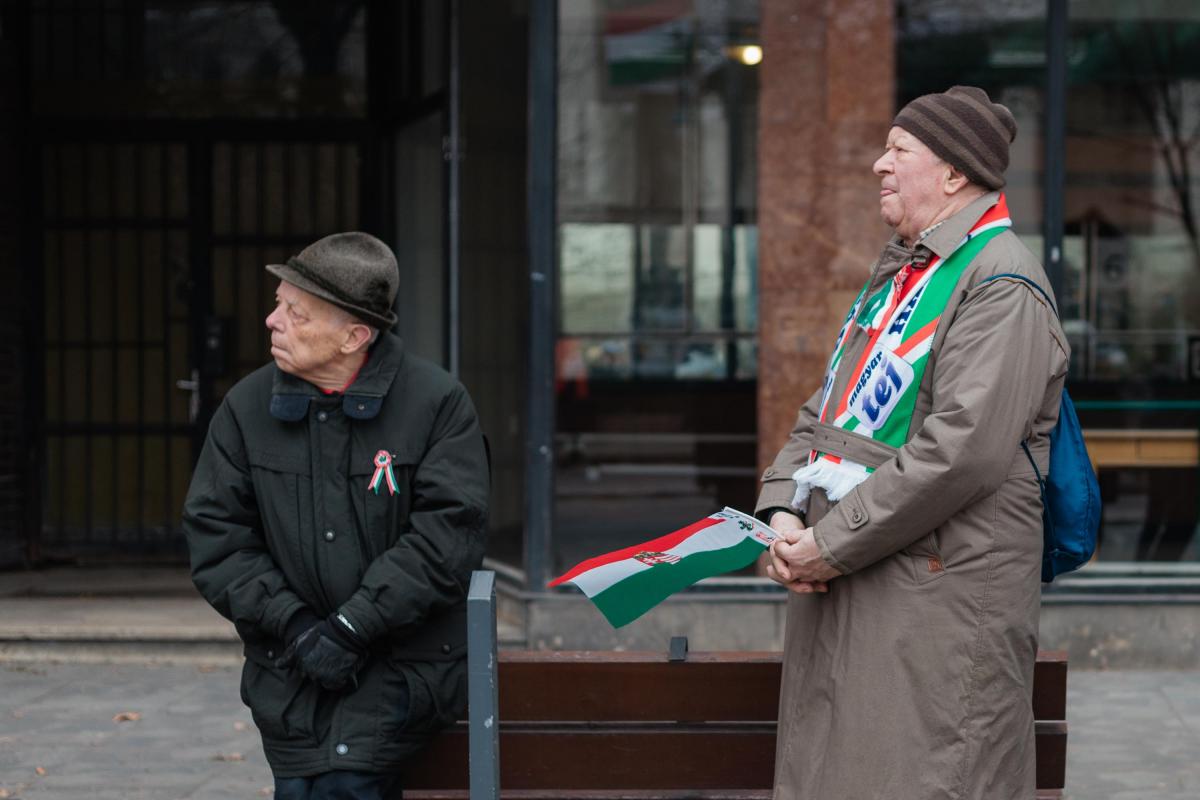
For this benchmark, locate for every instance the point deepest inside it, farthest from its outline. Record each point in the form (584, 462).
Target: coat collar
(945, 238)
(291, 396)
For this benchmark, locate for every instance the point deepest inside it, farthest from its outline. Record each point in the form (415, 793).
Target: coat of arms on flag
(646, 557)
(627, 583)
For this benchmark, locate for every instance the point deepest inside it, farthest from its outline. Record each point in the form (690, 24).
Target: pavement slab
(193, 737)
(1133, 734)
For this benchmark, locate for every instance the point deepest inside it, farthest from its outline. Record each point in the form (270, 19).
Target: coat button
(270, 654)
(342, 749)
(322, 416)
(446, 649)
(329, 536)
(856, 516)
(362, 406)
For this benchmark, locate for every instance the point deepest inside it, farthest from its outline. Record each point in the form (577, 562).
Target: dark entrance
(171, 148)
(154, 297)
(174, 148)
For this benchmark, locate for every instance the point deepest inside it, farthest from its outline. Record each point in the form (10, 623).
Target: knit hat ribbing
(966, 129)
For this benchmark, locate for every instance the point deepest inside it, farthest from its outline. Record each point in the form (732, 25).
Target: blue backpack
(1070, 493)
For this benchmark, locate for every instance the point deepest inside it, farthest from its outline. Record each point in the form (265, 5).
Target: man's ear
(357, 338)
(954, 181)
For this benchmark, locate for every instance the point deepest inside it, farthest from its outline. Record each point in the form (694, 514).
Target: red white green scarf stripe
(627, 583)
(879, 401)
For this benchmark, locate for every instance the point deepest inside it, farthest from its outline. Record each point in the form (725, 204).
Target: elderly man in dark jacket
(335, 516)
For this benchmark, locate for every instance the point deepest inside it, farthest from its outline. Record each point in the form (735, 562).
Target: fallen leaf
(229, 757)
(4, 795)
(128, 716)
(41, 771)
(207, 668)
(240, 726)
(266, 791)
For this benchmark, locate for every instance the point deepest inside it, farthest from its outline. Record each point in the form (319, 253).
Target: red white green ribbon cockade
(627, 583)
(878, 401)
(383, 470)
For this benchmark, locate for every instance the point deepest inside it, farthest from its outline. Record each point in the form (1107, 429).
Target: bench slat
(583, 794)
(621, 759)
(1050, 685)
(688, 794)
(718, 687)
(1051, 749)
(643, 728)
(606, 690)
(625, 756)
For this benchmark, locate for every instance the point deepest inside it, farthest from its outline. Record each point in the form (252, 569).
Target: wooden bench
(637, 725)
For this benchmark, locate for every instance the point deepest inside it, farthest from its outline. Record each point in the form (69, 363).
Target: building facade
(631, 227)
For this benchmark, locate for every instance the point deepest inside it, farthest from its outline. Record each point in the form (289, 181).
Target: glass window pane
(1000, 48)
(657, 121)
(198, 58)
(596, 265)
(1132, 247)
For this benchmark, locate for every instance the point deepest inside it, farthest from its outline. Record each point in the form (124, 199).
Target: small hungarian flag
(627, 583)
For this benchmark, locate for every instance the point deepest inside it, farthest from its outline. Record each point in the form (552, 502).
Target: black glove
(329, 652)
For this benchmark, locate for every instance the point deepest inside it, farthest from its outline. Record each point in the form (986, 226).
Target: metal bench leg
(482, 687)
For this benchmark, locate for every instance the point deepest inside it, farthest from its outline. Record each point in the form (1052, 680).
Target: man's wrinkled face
(306, 331)
(912, 184)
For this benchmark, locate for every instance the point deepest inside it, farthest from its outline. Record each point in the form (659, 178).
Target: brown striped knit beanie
(964, 128)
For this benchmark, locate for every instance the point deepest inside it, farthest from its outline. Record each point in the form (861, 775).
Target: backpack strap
(1014, 276)
(1038, 472)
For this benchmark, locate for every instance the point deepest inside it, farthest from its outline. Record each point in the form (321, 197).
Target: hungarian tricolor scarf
(879, 399)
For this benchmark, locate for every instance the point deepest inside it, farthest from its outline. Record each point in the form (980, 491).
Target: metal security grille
(154, 301)
(117, 273)
(270, 200)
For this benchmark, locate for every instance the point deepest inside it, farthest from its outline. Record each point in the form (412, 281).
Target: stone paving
(194, 739)
(1134, 734)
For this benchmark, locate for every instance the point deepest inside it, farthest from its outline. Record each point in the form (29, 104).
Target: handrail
(1138, 405)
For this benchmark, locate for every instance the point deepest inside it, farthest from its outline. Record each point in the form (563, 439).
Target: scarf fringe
(838, 480)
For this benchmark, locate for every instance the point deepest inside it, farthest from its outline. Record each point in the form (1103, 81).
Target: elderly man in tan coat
(910, 512)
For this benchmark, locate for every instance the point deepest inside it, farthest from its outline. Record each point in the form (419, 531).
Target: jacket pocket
(281, 702)
(382, 512)
(277, 481)
(925, 558)
(422, 697)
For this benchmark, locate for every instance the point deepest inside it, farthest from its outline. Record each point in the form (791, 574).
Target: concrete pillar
(827, 97)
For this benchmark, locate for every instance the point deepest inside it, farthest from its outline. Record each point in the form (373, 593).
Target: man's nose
(883, 165)
(273, 319)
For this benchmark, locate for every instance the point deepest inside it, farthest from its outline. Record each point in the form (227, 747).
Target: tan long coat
(912, 677)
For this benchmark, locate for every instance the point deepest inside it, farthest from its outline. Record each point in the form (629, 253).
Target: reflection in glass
(1133, 259)
(1132, 116)
(190, 58)
(657, 111)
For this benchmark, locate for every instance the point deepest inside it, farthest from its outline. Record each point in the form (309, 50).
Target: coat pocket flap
(363, 463)
(441, 638)
(262, 654)
(854, 446)
(295, 463)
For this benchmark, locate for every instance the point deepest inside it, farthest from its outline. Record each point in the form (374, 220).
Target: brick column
(826, 100)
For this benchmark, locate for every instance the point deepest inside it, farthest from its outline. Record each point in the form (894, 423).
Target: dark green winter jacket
(279, 517)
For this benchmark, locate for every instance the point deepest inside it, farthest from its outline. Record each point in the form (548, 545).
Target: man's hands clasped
(329, 653)
(795, 558)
